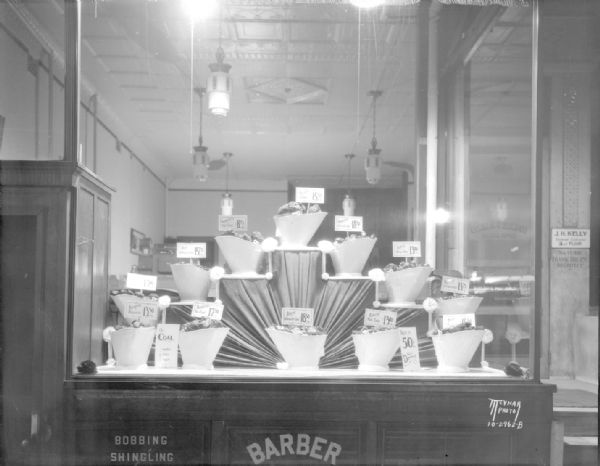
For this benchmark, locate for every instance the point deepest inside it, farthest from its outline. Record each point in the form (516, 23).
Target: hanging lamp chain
(227, 156)
(349, 157)
(200, 91)
(375, 94)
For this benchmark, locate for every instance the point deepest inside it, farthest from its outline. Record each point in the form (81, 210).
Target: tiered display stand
(249, 411)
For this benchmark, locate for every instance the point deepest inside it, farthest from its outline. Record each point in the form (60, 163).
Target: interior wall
(194, 212)
(138, 200)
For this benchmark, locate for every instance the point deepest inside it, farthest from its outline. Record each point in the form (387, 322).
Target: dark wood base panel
(406, 423)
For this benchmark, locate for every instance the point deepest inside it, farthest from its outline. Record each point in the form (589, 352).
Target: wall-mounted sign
(409, 348)
(380, 318)
(298, 316)
(208, 309)
(137, 281)
(191, 250)
(455, 285)
(144, 311)
(571, 238)
(167, 339)
(348, 223)
(233, 223)
(406, 248)
(452, 320)
(310, 195)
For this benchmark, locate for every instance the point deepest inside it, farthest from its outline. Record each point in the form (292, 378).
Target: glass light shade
(226, 204)
(218, 88)
(373, 167)
(349, 205)
(200, 164)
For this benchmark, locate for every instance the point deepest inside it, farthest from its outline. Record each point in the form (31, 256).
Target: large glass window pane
(31, 81)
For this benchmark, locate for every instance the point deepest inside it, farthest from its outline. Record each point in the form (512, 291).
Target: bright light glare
(199, 9)
(367, 3)
(441, 215)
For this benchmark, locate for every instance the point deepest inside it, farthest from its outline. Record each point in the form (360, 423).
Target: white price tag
(455, 285)
(348, 223)
(233, 223)
(144, 311)
(452, 320)
(409, 348)
(310, 195)
(406, 248)
(571, 238)
(298, 316)
(167, 339)
(208, 309)
(380, 318)
(191, 250)
(138, 281)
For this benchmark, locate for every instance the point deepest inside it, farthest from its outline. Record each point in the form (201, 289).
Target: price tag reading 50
(409, 348)
(298, 316)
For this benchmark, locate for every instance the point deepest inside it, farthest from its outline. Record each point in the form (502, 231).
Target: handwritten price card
(138, 281)
(208, 309)
(298, 316)
(144, 311)
(233, 223)
(406, 248)
(167, 339)
(455, 285)
(310, 195)
(348, 223)
(452, 320)
(191, 250)
(409, 348)
(380, 318)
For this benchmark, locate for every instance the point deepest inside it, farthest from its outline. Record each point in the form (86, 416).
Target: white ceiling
(301, 79)
(297, 105)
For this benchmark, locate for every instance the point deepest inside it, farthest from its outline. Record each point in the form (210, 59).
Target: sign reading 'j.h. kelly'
(299, 445)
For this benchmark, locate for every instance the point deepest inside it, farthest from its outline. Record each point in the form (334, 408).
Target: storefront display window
(434, 102)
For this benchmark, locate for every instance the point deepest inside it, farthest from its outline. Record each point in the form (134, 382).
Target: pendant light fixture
(218, 85)
(200, 158)
(227, 200)
(373, 160)
(349, 203)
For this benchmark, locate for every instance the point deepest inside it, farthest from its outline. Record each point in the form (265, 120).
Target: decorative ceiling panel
(287, 90)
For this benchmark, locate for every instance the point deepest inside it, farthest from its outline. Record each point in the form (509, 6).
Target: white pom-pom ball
(164, 301)
(216, 273)
(377, 275)
(106, 333)
(430, 304)
(488, 336)
(269, 244)
(325, 246)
